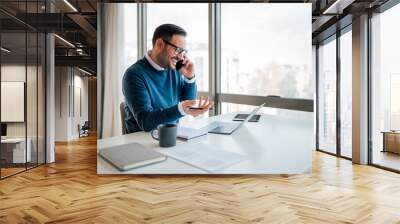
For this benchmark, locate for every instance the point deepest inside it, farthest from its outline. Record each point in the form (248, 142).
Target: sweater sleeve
(139, 103)
(188, 90)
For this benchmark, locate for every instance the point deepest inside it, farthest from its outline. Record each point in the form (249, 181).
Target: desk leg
(384, 142)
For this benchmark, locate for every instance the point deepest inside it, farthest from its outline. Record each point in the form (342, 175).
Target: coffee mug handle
(152, 134)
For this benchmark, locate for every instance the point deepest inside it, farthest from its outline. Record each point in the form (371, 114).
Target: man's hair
(166, 31)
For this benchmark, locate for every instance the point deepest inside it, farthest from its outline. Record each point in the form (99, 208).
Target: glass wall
(385, 81)
(277, 60)
(194, 19)
(22, 93)
(13, 86)
(327, 96)
(335, 60)
(31, 100)
(41, 97)
(346, 94)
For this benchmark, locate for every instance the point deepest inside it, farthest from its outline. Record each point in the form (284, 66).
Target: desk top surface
(277, 144)
(391, 132)
(13, 140)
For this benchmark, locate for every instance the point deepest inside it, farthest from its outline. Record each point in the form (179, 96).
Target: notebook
(189, 133)
(129, 156)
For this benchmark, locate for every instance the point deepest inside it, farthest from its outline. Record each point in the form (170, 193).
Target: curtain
(113, 65)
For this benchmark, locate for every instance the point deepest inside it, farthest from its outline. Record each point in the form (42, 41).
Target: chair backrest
(86, 125)
(123, 115)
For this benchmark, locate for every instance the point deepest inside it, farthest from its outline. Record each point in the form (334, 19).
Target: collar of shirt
(155, 65)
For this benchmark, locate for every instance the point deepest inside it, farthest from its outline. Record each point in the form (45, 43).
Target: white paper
(203, 156)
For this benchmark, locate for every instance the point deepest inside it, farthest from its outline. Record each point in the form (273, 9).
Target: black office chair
(123, 115)
(84, 129)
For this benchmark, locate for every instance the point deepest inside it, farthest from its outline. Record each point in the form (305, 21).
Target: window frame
(333, 37)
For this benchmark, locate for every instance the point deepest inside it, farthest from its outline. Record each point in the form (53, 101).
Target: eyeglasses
(178, 50)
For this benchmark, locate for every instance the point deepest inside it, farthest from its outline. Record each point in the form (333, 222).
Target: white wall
(80, 83)
(12, 73)
(67, 115)
(62, 81)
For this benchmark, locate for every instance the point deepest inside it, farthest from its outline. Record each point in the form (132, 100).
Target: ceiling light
(70, 5)
(79, 51)
(84, 71)
(338, 6)
(65, 41)
(5, 50)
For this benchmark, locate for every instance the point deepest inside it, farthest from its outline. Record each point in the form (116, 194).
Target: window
(130, 39)
(394, 101)
(194, 19)
(264, 51)
(385, 89)
(278, 62)
(327, 96)
(346, 94)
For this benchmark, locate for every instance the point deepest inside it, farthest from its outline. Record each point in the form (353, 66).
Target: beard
(166, 61)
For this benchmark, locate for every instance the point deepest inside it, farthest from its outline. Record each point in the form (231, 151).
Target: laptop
(126, 157)
(228, 128)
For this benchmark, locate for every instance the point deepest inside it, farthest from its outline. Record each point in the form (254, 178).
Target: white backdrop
(12, 101)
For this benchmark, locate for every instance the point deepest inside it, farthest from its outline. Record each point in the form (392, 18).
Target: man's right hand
(204, 103)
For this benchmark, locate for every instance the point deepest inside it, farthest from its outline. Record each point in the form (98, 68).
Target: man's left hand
(188, 69)
(202, 105)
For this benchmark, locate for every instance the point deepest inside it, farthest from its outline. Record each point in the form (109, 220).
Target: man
(155, 92)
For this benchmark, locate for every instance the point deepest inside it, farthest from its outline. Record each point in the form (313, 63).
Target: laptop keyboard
(225, 127)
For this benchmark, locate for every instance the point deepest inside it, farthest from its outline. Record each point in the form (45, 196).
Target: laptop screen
(254, 111)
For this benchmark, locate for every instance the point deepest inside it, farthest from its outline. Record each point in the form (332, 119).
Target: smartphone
(199, 108)
(179, 65)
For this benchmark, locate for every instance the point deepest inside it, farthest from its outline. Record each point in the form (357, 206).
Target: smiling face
(167, 56)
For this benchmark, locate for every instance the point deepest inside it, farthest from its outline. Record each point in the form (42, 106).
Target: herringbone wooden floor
(70, 191)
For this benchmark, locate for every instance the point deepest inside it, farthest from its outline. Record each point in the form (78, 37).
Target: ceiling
(331, 15)
(74, 21)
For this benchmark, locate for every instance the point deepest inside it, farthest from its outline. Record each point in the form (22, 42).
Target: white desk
(277, 144)
(18, 149)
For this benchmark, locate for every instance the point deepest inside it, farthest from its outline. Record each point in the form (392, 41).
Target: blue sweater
(152, 97)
